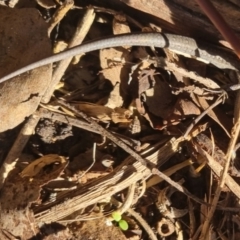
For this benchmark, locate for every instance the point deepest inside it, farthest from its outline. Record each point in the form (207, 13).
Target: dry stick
(59, 14)
(192, 219)
(131, 152)
(143, 188)
(224, 176)
(235, 134)
(179, 231)
(122, 177)
(143, 223)
(237, 101)
(82, 29)
(168, 172)
(62, 117)
(169, 66)
(105, 133)
(130, 20)
(220, 24)
(217, 169)
(129, 199)
(91, 165)
(17, 148)
(218, 101)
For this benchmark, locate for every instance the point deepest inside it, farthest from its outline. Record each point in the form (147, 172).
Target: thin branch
(220, 24)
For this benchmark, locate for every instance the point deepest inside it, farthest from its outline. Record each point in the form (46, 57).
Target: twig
(104, 132)
(129, 199)
(235, 134)
(80, 33)
(192, 218)
(113, 12)
(156, 180)
(123, 207)
(237, 101)
(218, 101)
(93, 162)
(207, 82)
(59, 14)
(44, 113)
(132, 153)
(143, 223)
(177, 186)
(220, 24)
(123, 176)
(143, 188)
(17, 148)
(217, 169)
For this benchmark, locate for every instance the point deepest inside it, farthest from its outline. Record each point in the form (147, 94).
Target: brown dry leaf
(94, 110)
(36, 166)
(183, 108)
(59, 46)
(173, 58)
(121, 115)
(155, 122)
(146, 80)
(159, 98)
(19, 97)
(104, 113)
(144, 85)
(113, 74)
(19, 192)
(120, 24)
(141, 53)
(116, 72)
(216, 114)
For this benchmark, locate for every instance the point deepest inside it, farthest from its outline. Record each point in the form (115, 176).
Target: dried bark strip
(95, 191)
(122, 177)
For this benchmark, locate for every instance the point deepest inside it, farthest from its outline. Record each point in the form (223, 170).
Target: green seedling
(121, 223)
(116, 216)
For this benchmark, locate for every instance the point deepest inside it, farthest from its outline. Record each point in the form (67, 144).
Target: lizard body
(184, 45)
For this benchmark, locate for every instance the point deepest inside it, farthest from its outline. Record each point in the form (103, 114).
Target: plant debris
(120, 143)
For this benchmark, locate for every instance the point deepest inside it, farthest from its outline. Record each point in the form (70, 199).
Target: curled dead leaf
(35, 167)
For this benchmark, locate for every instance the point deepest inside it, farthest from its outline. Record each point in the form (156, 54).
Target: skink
(184, 45)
